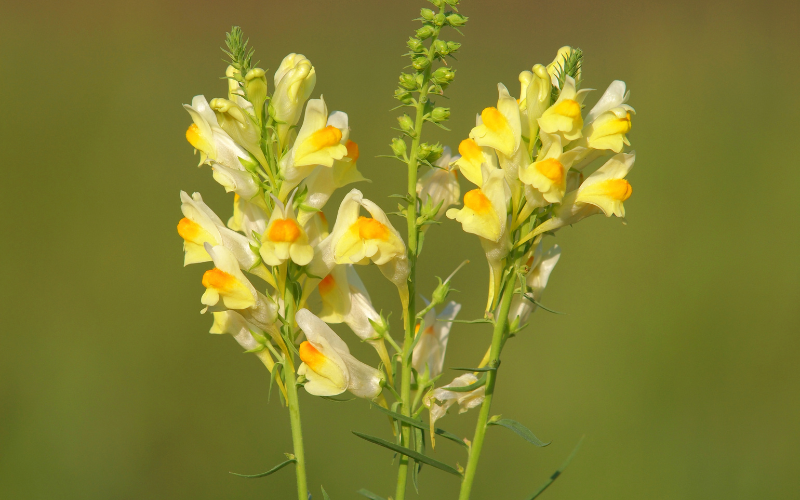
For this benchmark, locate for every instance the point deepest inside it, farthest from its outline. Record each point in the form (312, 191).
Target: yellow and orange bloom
(547, 176)
(294, 82)
(284, 238)
(439, 185)
(206, 136)
(485, 209)
(328, 366)
(323, 181)
(430, 349)
(317, 143)
(602, 192)
(540, 266)
(200, 225)
(564, 116)
(610, 120)
(472, 159)
(500, 127)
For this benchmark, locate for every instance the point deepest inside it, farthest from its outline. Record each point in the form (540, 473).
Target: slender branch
(413, 233)
(498, 338)
(292, 399)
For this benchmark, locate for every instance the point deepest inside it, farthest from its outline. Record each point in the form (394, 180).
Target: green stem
(410, 314)
(292, 400)
(498, 339)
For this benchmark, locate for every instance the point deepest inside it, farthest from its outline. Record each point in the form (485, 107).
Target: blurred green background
(678, 358)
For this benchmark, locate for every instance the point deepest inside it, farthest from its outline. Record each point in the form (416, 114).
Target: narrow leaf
(325, 495)
(409, 453)
(467, 321)
(530, 297)
(419, 424)
(369, 494)
(467, 388)
(329, 398)
(272, 470)
(558, 472)
(484, 369)
(521, 430)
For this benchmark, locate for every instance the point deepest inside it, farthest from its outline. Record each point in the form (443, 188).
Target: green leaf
(530, 297)
(369, 494)
(558, 472)
(419, 424)
(272, 470)
(467, 388)
(521, 430)
(325, 495)
(419, 444)
(484, 369)
(409, 453)
(467, 321)
(337, 400)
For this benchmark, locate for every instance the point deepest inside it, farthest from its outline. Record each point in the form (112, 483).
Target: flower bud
(436, 152)
(456, 20)
(453, 46)
(441, 292)
(406, 123)
(408, 81)
(415, 44)
(441, 47)
(425, 32)
(294, 82)
(440, 114)
(439, 19)
(399, 147)
(255, 85)
(420, 63)
(443, 74)
(426, 14)
(403, 95)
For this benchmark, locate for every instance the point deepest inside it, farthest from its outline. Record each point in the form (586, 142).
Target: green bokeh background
(678, 358)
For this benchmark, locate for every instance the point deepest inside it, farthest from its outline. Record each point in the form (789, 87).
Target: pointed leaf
(369, 494)
(559, 471)
(467, 388)
(521, 430)
(409, 453)
(530, 298)
(484, 369)
(324, 494)
(272, 470)
(419, 424)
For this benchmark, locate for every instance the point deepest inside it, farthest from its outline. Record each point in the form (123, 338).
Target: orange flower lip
(284, 231)
(326, 285)
(470, 151)
(352, 151)
(218, 280)
(494, 119)
(188, 229)
(370, 229)
(326, 137)
(311, 356)
(477, 202)
(193, 136)
(618, 189)
(552, 169)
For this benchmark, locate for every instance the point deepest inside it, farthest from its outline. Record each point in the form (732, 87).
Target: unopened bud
(402, 95)
(439, 19)
(436, 152)
(399, 147)
(408, 81)
(255, 85)
(441, 292)
(440, 114)
(443, 74)
(420, 63)
(406, 123)
(415, 44)
(453, 46)
(425, 32)
(456, 20)
(441, 47)
(426, 14)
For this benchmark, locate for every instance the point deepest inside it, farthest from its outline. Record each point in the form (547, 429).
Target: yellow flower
(284, 238)
(294, 81)
(610, 120)
(484, 212)
(206, 136)
(328, 364)
(472, 158)
(547, 176)
(564, 116)
(317, 143)
(500, 127)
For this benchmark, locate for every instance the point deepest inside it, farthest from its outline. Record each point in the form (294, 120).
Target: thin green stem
(292, 400)
(494, 361)
(413, 233)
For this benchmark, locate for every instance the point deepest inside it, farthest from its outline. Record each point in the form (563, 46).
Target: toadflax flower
(429, 351)
(294, 81)
(603, 191)
(328, 364)
(540, 265)
(439, 185)
(500, 127)
(317, 143)
(440, 400)
(610, 119)
(546, 178)
(284, 238)
(564, 116)
(472, 159)
(206, 136)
